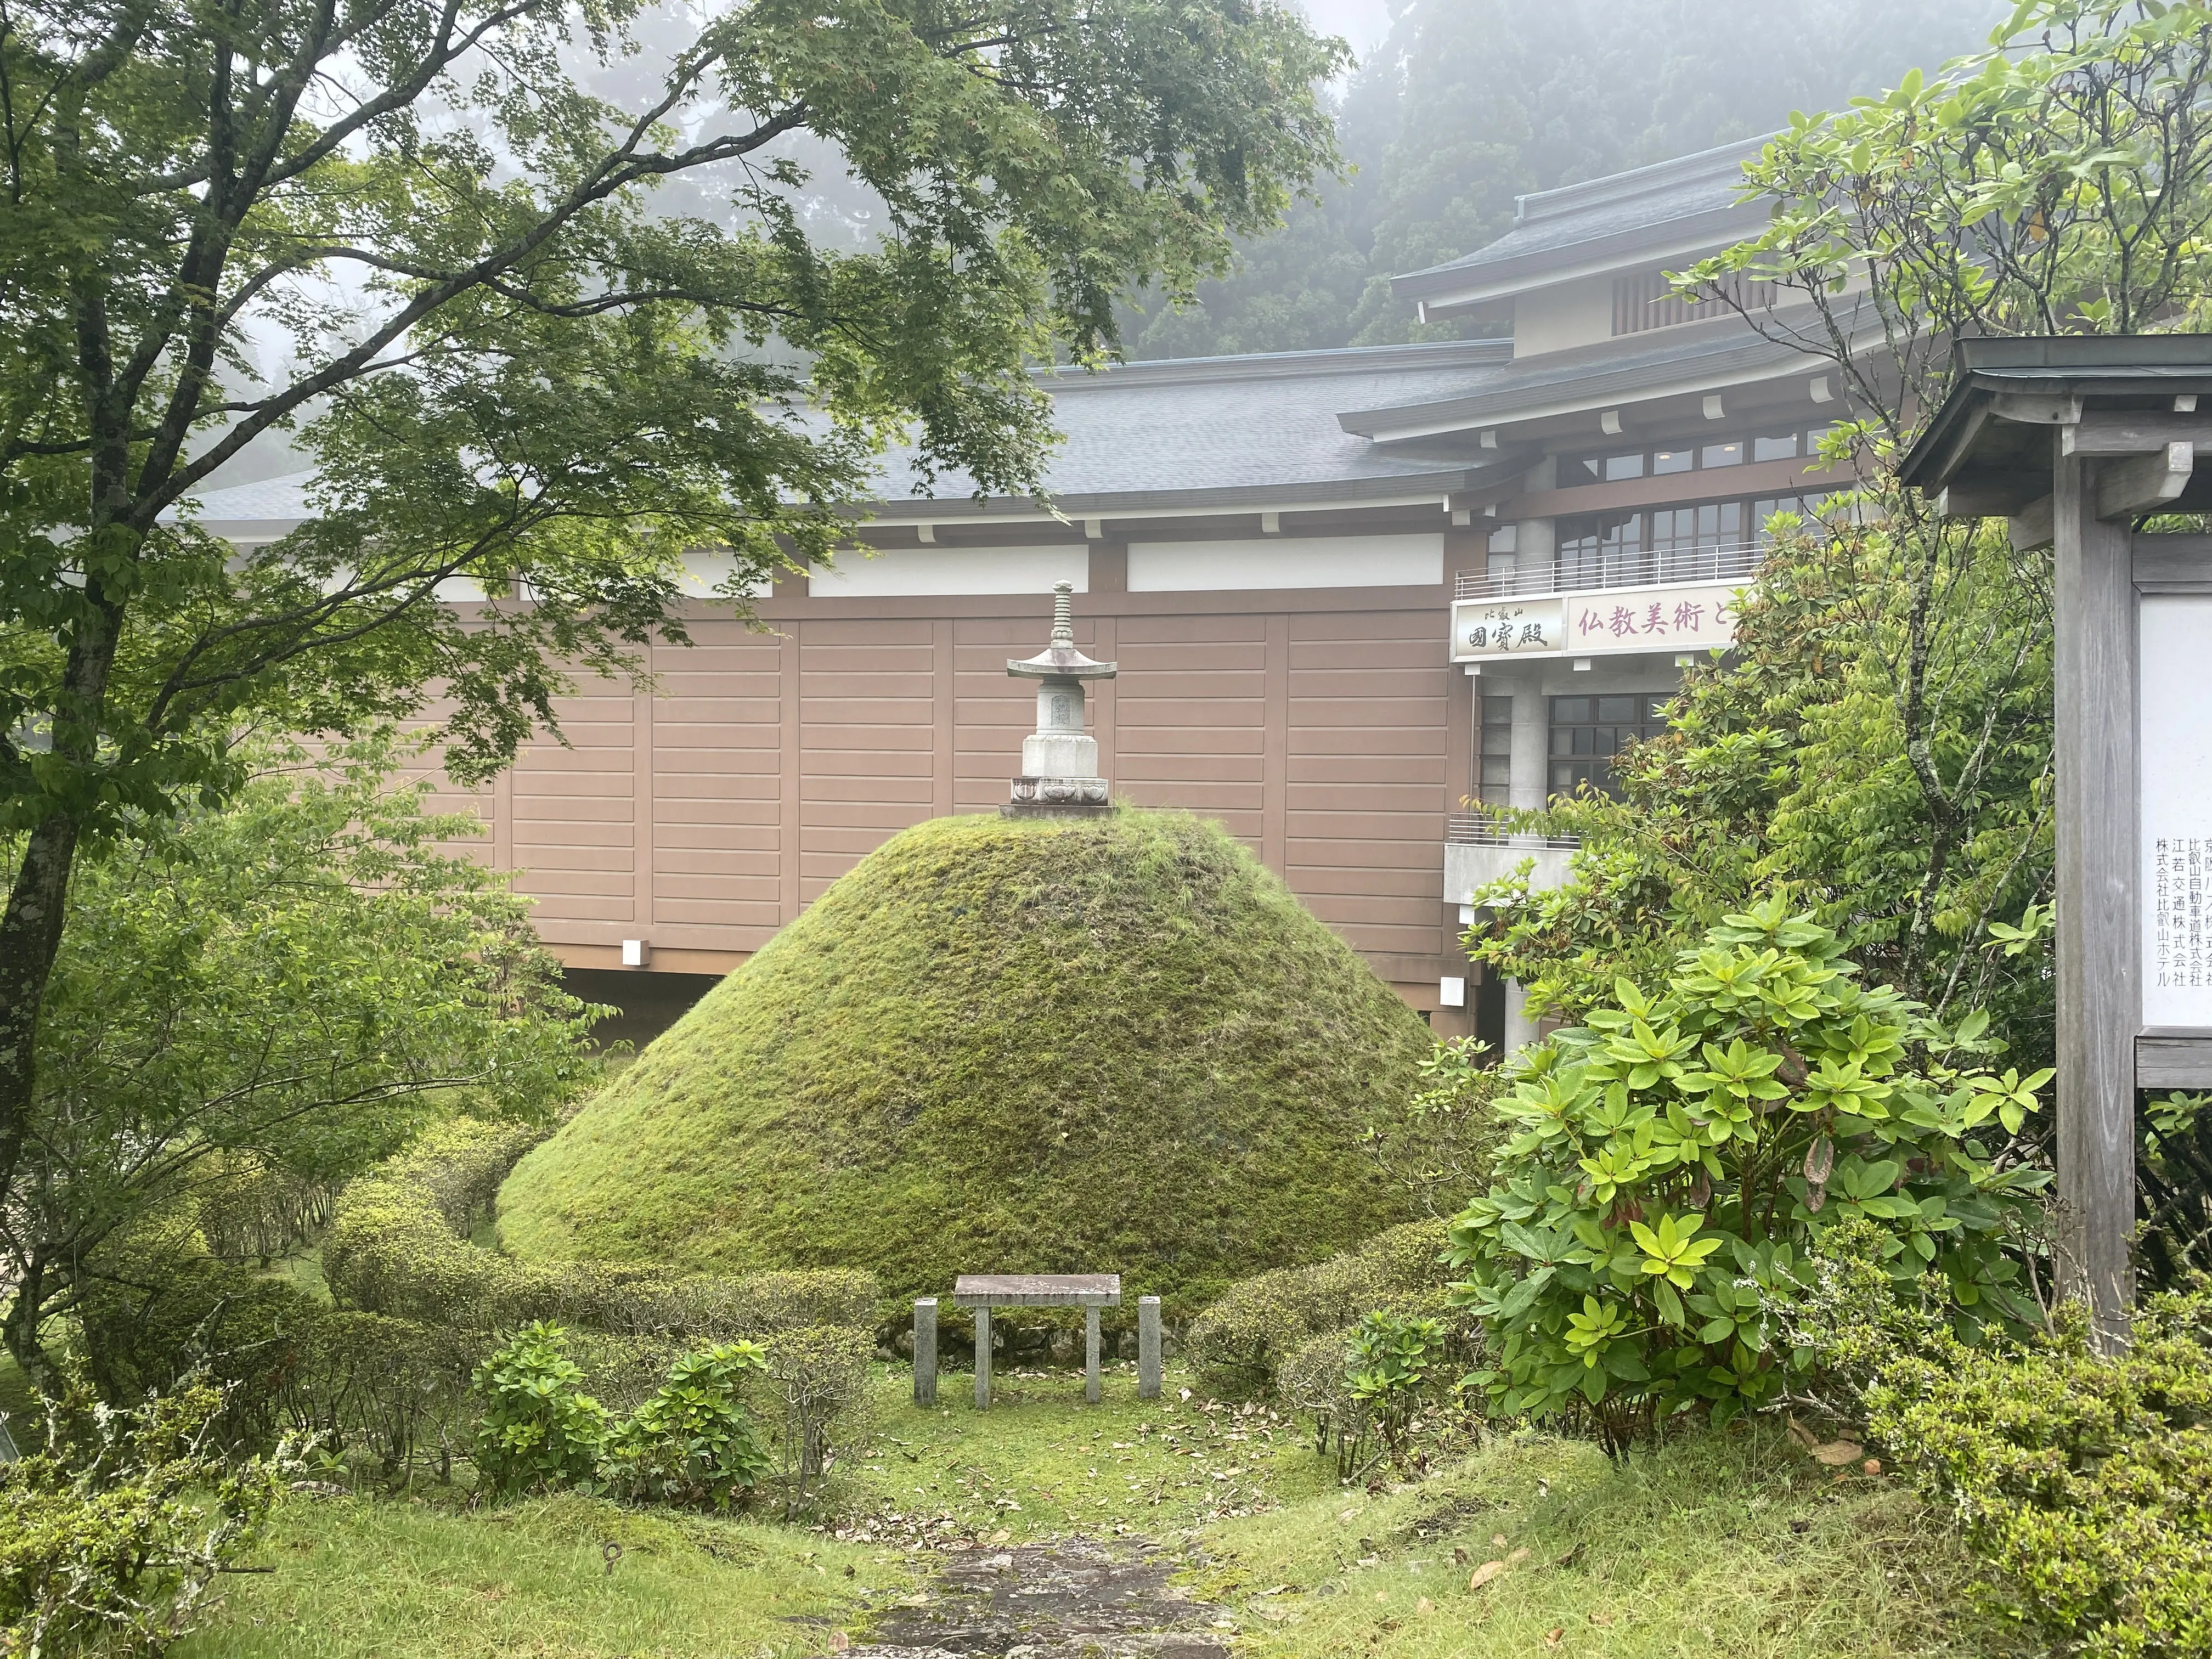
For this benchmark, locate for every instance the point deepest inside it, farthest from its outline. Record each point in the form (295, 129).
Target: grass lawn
(388, 1577)
(1731, 1543)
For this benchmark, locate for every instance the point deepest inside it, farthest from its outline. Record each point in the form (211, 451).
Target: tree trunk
(30, 938)
(21, 1331)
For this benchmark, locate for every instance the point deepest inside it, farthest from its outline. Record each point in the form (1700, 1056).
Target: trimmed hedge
(1118, 1044)
(1242, 1347)
(398, 1246)
(2084, 1482)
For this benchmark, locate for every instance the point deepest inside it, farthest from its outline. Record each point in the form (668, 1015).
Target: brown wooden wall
(1325, 727)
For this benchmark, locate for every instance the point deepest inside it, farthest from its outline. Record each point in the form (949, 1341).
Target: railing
(1639, 568)
(1480, 830)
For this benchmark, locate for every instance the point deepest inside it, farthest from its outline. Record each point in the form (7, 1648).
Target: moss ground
(1118, 1044)
(1732, 1544)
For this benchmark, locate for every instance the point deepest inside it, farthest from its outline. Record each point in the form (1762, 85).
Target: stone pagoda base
(1058, 797)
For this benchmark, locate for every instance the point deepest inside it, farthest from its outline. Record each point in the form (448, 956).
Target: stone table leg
(983, 1359)
(1148, 1347)
(1090, 1355)
(925, 1351)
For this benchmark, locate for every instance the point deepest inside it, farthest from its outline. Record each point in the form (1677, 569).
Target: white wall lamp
(1609, 422)
(636, 953)
(1452, 992)
(1713, 409)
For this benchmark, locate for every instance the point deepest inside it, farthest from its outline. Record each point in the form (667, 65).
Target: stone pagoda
(1059, 761)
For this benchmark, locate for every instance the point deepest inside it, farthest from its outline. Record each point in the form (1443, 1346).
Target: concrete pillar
(1520, 1029)
(983, 1359)
(1532, 741)
(925, 1351)
(1090, 1355)
(1148, 1347)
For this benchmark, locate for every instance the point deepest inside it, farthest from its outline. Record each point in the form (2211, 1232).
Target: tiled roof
(1689, 196)
(1219, 425)
(1716, 353)
(1149, 432)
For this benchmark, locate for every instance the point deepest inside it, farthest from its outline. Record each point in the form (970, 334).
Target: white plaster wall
(1561, 315)
(916, 571)
(1415, 561)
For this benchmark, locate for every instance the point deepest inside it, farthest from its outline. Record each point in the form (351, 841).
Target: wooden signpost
(2074, 439)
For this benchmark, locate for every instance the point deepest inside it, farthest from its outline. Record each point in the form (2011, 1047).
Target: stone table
(984, 1291)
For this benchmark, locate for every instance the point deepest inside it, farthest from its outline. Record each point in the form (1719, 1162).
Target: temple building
(1349, 592)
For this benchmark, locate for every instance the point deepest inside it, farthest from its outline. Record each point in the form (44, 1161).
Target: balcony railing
(1641, 568)
(1480, 830)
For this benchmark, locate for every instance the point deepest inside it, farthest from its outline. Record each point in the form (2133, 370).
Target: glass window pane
(1777, 447)
(1616, 709)
(1497, 711)
(1670, 460)
(1624, 466)
(1721, 454)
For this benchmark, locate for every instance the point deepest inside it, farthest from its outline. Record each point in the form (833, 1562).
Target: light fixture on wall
(636, 953)
(1452, 992)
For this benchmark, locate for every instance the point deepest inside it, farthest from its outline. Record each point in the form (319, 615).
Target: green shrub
(1238, 1345)
(2083, 1483)
(111, 1537)
(1680, 1150)
(538, 1429)
(1114, 1045)
(694, 1442)
(1389, 1367)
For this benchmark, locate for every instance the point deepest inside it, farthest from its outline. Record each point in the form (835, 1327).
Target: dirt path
(1069, 1599)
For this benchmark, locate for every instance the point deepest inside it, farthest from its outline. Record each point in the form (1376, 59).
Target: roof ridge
(1615, 186)
(1265, 365)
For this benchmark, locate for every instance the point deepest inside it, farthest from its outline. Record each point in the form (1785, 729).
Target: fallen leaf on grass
(1552, 1638)
(1425, 1606)
(1483, 1574)
(1837, 1453)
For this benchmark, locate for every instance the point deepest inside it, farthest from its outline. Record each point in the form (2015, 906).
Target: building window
(1614, 465)
(1645, 301)
(1494, 783)
(1587, 732)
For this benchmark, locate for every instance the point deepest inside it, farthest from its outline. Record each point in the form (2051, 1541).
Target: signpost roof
(1990, 444)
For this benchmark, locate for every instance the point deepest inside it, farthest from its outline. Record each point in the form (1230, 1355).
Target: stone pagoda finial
(1059, 761)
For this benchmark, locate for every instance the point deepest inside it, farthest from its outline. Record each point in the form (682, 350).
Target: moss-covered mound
(1107, 1045)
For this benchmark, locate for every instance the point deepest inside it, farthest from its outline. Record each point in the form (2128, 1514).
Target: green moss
(1115, 1044)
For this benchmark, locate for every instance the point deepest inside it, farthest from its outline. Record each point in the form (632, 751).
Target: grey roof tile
(1619, 212)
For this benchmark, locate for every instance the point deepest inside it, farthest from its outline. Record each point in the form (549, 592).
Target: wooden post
(925, 1351)
(1148, 1347)
(983, 1359)
(1090, 1354)
(2099, 995)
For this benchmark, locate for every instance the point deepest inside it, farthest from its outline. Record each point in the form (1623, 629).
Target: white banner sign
(2174, 728)
(1651, 619)
(1600, 623)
